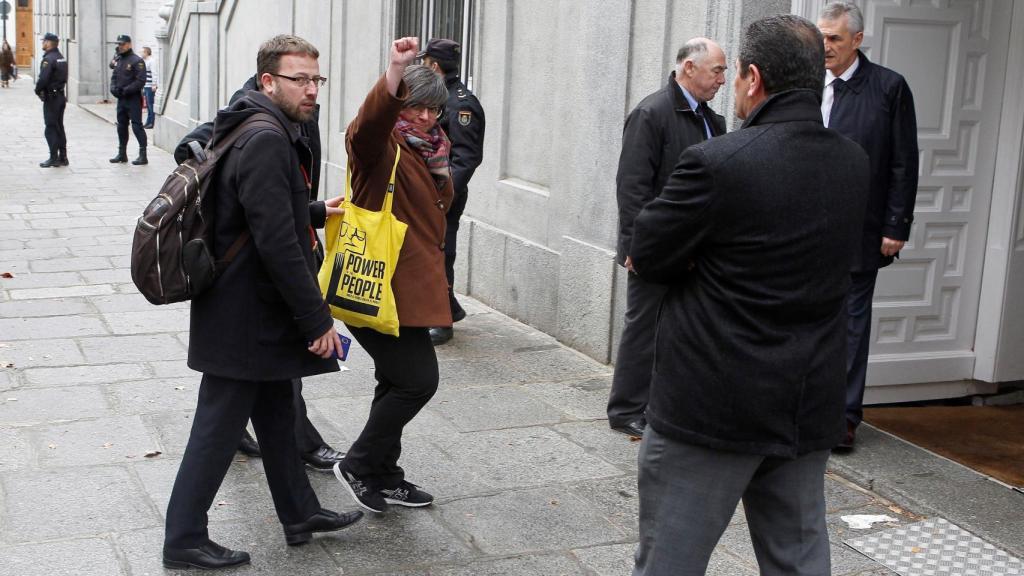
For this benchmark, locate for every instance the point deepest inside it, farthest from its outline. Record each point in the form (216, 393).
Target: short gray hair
(426, 87)
(695, 47)
(837, 10)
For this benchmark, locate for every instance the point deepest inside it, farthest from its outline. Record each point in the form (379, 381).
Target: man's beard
(292, 111)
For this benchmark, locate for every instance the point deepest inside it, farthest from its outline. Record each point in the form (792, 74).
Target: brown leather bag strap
(234, 249)
(257, 121)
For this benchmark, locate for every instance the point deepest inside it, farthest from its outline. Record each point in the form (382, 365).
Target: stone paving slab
(528, 477)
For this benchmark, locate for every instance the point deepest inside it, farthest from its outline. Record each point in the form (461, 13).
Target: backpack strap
(257, 121)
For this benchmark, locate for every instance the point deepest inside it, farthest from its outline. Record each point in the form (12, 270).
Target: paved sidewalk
(96, 406)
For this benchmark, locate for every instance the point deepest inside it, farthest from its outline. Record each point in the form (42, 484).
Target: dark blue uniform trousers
(130, 108)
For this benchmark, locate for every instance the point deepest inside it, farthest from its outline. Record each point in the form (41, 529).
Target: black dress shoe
(209, 556)
(248, 445)
(120, 158)
(635, 428)
(323, 458)
(459, 314)
(50, 163)
(847, 443)
(440, 336)
(322, 521)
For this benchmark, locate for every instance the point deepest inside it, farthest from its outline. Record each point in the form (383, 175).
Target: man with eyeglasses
(313, 449)
(462, 119)
(249, 331)
(126, 83)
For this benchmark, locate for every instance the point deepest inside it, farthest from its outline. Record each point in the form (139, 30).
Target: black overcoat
(876, 110)
(655, 133)
(753, 233)
(257, 319)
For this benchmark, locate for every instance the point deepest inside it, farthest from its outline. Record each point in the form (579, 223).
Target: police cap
(51, 37)
(442, 49)
(124, 39)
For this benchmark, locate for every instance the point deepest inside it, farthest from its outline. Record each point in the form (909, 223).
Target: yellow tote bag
(362, 252)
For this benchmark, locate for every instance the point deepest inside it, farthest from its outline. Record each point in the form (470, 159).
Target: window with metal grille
(452, 19)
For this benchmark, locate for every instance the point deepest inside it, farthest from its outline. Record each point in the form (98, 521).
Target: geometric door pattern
(953, 55)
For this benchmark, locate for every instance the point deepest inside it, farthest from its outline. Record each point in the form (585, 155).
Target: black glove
(116, 92)
(42, 96)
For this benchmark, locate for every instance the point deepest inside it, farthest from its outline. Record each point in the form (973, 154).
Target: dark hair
(268, 59)
(426, 88)
(692, 47)
(788, 50)
(447, 66)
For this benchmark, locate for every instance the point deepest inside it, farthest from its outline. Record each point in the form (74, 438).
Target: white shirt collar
(829, 77)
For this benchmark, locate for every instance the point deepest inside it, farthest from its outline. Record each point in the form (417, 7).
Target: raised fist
(404, 50)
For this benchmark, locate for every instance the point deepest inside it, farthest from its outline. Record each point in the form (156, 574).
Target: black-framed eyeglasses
(432, 110)
(303, 81)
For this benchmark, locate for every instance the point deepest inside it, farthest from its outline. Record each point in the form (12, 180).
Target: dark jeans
(53, 120)
(858, 341)
(688, 494)
(129, 108)
(150, 101)
(223, 408)
(631, 382)
(407, 377)
(451, 236)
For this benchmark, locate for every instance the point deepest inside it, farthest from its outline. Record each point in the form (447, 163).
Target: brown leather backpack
(172, 260)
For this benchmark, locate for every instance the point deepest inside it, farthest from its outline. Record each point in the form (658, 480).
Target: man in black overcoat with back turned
(263, 323)
(753, 233)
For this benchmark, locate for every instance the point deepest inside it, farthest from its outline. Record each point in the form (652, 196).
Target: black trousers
(53, 120)
(223, 408)
(858, 341)
(631, 382)
(451, 236)
(407, 377)
(130, 108)
(307, 438)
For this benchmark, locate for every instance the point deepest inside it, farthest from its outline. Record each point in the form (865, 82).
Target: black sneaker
(407, 494)
(360, 490)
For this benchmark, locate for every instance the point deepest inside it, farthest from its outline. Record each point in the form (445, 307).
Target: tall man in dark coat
(463, 122)
(753, 233)
(313, 449)
(53, 77)
(249, 331)
(656, 132)
(872, 106)
(126, 83)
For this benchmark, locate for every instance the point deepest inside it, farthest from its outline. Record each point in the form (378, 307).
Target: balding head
(700, 68)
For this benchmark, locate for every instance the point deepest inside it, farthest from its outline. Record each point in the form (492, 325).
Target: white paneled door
(953, 54)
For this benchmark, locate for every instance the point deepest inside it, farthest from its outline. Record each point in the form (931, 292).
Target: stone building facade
(557, 78)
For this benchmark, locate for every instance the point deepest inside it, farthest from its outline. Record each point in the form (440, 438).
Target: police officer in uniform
(126, 83)
(53, 76)
(463, 122)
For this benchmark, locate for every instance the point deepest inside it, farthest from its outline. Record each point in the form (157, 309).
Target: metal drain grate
(936, 547)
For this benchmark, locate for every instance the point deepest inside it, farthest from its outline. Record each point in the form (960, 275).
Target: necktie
(703, 112)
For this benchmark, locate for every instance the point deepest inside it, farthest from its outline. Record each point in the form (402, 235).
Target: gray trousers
(688, 494)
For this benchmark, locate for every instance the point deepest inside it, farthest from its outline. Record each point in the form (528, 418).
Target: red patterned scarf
(433, 146)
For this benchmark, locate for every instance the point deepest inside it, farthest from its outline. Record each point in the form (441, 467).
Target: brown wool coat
(421, 289)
